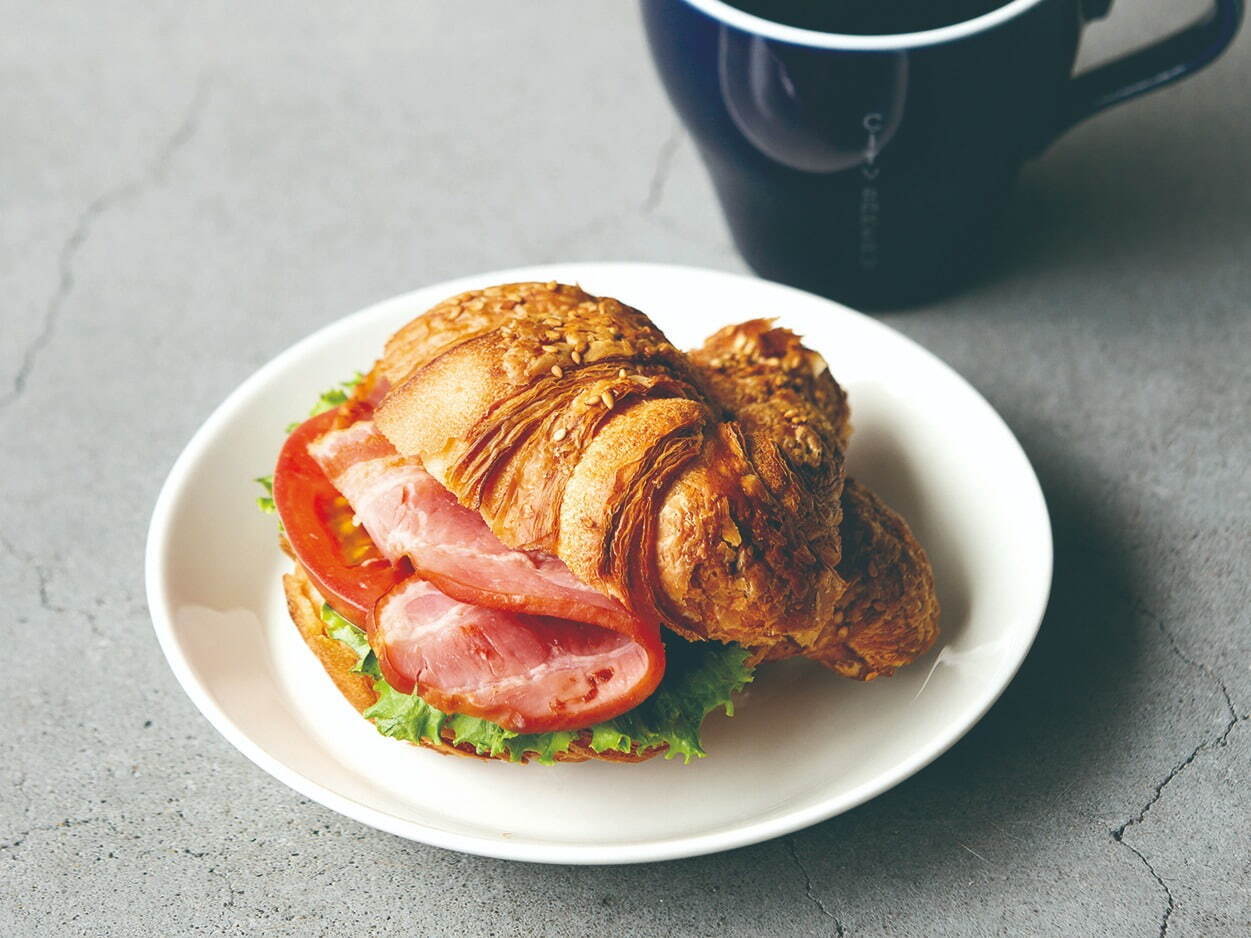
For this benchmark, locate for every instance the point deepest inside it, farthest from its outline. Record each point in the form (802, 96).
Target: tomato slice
(341, 560)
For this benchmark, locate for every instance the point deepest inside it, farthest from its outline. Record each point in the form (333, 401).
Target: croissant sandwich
(535, 529)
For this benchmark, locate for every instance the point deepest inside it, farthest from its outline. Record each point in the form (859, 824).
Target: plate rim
(160, 531)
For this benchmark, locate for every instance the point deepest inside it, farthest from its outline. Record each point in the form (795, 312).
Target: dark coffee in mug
(867, 17)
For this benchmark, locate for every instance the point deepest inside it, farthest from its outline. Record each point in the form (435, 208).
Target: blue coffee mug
(869, 168)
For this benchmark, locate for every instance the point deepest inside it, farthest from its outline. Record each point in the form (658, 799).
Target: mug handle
(1169, 60)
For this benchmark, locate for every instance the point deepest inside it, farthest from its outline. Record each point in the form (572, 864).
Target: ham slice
(483, 629)
(526, 673)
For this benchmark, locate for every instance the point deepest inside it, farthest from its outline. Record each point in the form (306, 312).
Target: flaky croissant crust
(706, 492)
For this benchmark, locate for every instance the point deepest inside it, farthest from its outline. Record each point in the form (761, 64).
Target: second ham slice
(527, 673)
(481, 628)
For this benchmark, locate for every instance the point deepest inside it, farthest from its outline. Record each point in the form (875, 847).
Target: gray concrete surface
(187, 188)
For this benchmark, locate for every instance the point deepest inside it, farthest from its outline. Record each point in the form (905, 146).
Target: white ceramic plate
(924, 440)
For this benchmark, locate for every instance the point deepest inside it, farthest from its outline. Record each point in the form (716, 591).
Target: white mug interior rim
(747, 22)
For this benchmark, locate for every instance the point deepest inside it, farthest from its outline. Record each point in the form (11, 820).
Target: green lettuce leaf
(328, 400)
(266, 502)
(344, 631)
(341, 630)
(700, 677)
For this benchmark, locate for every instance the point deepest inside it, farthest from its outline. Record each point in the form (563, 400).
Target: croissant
(888, 613)
(705, 492)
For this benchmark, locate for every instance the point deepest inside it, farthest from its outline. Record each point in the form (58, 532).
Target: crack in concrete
(82, 231)
(44, 577)
(46, 603)
(45, 597)
(1118, 834)
(11, 549)
(47, 828)
(1203, 746)
(220, 875)
(660, 175)
(1168, 893)
(839, 930)
(1202, 666)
